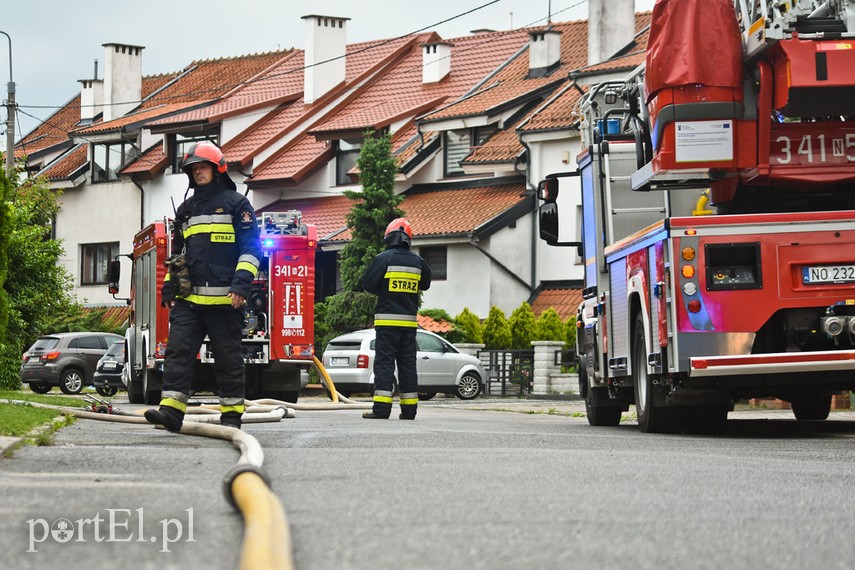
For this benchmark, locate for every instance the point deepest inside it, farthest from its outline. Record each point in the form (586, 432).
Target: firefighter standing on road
(216, 231)
(396, 276)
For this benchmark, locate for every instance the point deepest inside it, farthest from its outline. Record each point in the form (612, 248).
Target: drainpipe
(142, 202)
(534, 235)
(501, 266)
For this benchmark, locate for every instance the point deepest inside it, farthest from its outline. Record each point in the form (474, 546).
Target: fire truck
(278, 335)
(718, 216)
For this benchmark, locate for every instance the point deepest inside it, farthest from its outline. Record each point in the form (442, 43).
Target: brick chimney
(122, 79)
(91, 97)
(611, 25)
(544, 52)
(436, 61)
(325, 40)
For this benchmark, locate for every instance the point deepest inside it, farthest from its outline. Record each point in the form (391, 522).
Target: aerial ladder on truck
(718, 216)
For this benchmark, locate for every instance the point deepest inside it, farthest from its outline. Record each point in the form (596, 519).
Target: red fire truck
(718, 216)
(279, 333)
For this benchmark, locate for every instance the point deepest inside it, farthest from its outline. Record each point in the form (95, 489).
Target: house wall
(468, 279)
(97, 213)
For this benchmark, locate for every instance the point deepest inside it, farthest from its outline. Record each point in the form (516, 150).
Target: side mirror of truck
(115, 274)
(547, 190)
(549, 222)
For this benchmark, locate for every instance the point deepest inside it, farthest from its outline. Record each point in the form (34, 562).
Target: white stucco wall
(98, 213)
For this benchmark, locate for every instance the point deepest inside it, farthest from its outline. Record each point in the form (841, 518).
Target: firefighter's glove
(179, 276)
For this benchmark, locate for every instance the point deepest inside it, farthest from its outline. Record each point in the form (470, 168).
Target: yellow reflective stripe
(383, 399)
(173, 403)
(209, 229)
(225, 409)
(206, 300)
(392, 323)
(246, 266)
(165, 279)
(402, 275)
(409, 401)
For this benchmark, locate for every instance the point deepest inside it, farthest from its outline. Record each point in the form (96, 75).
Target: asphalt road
(467, 485)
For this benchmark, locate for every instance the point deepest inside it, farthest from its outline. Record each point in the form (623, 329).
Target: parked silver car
(349, 360)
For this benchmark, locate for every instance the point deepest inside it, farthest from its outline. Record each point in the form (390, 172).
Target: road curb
(9, 444)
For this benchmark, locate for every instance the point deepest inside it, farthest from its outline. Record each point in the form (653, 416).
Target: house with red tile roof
(475, 122)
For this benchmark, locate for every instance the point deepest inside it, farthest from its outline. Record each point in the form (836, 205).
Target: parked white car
(349, 360)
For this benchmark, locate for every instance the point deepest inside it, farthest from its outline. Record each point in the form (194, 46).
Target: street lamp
(10, 121)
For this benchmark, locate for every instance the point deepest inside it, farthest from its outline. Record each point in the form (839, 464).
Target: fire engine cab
(718, 216)
(278, 335)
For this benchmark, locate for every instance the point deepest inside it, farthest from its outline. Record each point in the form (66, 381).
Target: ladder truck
(718, 216)
(278, 336)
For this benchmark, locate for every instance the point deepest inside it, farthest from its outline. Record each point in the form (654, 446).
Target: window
(182, 144)
(437, 259)
(428, 343)
(109, 158)
(90, 342)
(458, 145)
(95, 262)
(346, 154)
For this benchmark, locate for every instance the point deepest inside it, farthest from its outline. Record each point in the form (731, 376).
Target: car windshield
(45, 343)
(116, 349)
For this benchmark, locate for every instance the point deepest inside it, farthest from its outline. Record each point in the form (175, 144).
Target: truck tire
(599, 414)
(814, 406)
(651, 418)
(707, 420)
(151, 383)
(135, 391)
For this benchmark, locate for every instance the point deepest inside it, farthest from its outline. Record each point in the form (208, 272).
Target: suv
(64, 359)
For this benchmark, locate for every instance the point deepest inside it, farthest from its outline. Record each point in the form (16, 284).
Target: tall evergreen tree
(522, 327)
(550, 326)
(373, 208)
(497, 332)
(470, 325)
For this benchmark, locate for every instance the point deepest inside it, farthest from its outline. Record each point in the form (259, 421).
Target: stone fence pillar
(469, 348)
(544, 364)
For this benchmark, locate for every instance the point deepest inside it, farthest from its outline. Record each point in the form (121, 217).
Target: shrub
(497, 332)
(469, 325)
(522, 325)
(550, 326)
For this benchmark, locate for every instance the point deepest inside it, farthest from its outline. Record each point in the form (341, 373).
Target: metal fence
(509, 372)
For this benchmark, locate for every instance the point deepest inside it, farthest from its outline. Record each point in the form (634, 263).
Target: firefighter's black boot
(373, 416)
(230, 419)
(165, 416)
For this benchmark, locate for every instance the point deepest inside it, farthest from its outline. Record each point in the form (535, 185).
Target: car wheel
(425, 396)
(39, 388)
(106, 391)
(469, 387)
(71, 381)
(811, 406)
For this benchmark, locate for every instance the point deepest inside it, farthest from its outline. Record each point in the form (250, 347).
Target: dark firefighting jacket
(396, 276)
(216, 231)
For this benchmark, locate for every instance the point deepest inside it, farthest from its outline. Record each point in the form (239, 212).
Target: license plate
(339, 361)
(110, 366)
(811, 145)
(828, 274)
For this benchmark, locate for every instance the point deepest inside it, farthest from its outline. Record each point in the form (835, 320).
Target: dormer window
(459, 143)
(109, 158)
(346, 154)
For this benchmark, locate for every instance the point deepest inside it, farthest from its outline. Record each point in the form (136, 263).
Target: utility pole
(10, 121)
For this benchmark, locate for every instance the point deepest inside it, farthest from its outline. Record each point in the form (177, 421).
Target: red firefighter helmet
(204, 152)
(399, 224)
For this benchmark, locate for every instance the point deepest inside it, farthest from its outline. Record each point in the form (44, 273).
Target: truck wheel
(151, 383)
(598, 414)
(707, 420)
(135, 391)
(651, 418)
(815, 406)
(71, 381)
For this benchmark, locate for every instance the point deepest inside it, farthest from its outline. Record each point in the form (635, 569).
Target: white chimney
(91, 99)
(544, 51)
(436, 61)
(325, 42)
(611, 26)
(122, 79)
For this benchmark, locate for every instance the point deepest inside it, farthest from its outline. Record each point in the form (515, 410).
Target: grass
(19, 420)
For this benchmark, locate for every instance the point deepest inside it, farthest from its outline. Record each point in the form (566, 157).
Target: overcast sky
(55, 42)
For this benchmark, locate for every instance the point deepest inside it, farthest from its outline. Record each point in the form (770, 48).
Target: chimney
(436, 61)
(611, 26)
(544, 52)
(122, 79)
(325, 40)
(91, 97)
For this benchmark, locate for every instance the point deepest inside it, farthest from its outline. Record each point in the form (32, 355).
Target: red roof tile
(67, 164)
(559, 112)
(150, 164)
(137, 117)
(564, 300)
(434, 326)
(298, 159)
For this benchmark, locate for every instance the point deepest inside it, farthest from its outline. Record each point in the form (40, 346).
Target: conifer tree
(522, 324)
(497, 332)
(469, 323)
(550, 326)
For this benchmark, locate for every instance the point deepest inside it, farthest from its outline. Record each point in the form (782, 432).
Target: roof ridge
(242, 56)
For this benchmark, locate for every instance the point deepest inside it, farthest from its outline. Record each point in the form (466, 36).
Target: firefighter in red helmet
(217, 238)
(396, 276)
